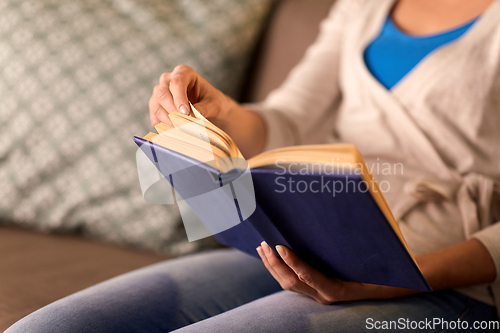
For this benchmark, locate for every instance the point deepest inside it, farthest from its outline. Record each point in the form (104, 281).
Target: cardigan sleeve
(307, 96)
(490, 238)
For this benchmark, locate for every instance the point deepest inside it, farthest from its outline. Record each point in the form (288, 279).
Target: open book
(318, 200)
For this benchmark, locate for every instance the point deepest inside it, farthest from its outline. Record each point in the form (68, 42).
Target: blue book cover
(344, 235)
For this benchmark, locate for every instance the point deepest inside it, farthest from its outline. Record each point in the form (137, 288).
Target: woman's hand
(295, 275)
(459, 265)
(177, 88)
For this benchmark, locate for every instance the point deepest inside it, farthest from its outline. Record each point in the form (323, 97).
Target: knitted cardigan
(439, 126)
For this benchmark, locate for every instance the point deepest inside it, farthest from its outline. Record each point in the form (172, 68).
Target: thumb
(207, 109)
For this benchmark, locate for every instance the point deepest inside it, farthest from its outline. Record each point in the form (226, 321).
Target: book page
(198, 129)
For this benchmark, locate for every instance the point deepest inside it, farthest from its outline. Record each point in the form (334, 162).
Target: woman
(415, 82)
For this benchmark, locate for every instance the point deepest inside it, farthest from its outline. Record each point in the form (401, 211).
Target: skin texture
(463, 264)
(456, 266)
(183, 84)
(425, 17)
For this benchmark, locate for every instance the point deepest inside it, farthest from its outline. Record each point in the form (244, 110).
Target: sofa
(45, 257)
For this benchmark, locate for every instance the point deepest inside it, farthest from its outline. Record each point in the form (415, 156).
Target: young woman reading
(415, 82)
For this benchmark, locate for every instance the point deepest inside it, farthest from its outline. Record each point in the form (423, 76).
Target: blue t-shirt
(394, 53)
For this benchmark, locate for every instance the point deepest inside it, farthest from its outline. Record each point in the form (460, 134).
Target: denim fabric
(228, 291)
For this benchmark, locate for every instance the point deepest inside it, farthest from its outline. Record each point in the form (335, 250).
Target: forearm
(460, 265)
(245, 127)
(464, 264)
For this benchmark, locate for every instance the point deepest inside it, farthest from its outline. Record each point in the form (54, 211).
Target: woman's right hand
(184, 85)
(181, 86)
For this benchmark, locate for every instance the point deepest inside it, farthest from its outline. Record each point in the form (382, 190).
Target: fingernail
(266, 248)
(184, 109)
(281, 251)
(155, 122)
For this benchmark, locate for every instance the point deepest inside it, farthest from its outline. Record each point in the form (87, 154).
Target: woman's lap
(227, 291)
(290, 312)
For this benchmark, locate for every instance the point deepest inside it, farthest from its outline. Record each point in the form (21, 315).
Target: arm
(291, 113)
(302, 109)
(459, 265)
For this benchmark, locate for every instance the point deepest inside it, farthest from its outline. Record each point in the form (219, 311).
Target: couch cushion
(75, 81)
(294, 26)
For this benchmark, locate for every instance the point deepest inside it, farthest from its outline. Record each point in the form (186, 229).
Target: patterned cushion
(75, 80)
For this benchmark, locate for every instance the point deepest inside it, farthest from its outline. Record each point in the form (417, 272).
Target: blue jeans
(228, 291)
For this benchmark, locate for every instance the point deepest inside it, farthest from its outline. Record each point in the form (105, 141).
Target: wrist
(426, 266)
(359, 291)
(459, 265)
(228, 108)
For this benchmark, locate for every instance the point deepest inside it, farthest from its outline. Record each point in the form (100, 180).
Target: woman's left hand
(295, 275)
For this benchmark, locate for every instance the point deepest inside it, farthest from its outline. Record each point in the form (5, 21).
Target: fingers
(171, 94)
(304, 272)
(211, 105)
(177, 88)
(296, 275)
(182, 79)
(159, 104)
(164, 95)
(270, 268)
(328, 290)
(285, 276)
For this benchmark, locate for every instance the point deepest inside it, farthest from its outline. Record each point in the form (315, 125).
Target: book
(318, 200)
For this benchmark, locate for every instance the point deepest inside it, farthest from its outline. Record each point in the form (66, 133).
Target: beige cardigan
(441, 121)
